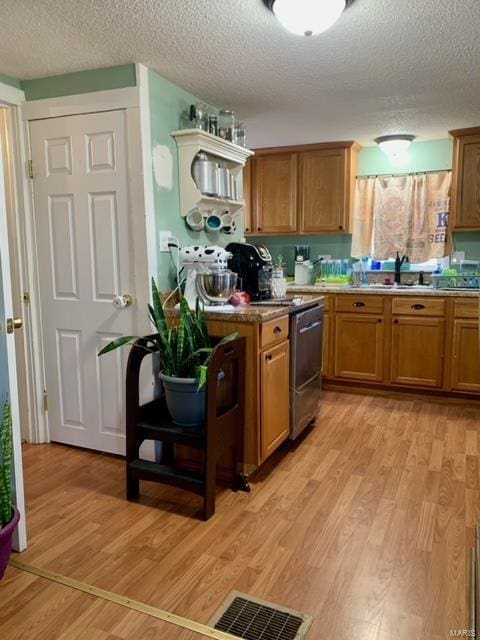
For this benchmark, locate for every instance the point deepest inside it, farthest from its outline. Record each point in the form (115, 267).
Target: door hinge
(45, 400)
(30, 169)
(26, 297)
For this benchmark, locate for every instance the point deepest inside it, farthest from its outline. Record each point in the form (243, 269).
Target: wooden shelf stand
(224, 424)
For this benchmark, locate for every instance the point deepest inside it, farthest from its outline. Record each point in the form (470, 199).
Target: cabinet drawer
(466, 308)
(418, 306)
(360, 304)
(273, 331)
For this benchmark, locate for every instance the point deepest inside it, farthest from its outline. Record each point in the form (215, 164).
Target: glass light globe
(308, 17)
(396, 151)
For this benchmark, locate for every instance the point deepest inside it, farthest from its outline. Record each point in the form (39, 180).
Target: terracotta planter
(6, 534)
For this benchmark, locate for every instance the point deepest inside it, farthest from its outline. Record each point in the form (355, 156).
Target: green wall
(11, 81)
(80, 82)
(424, 156)
(167, 101)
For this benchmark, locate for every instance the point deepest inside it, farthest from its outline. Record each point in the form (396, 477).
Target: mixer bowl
(216, 287)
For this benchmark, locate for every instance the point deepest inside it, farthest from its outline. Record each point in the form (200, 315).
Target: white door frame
(135, 101)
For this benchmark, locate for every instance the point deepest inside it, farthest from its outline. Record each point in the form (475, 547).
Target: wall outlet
(164, 238)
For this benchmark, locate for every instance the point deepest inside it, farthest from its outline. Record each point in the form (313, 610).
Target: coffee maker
(253, 265)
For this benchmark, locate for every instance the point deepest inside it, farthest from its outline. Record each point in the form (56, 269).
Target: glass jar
(226, 124)
(199, 116)
(279, 283)
(240, 134)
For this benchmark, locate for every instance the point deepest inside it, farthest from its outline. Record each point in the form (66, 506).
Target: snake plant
(185, 349)
(6, 446)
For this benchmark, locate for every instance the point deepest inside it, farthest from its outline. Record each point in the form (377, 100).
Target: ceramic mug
(213, 223)
(195, 220)
(228, 222)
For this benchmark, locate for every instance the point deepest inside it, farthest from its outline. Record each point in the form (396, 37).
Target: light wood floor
(365, 524)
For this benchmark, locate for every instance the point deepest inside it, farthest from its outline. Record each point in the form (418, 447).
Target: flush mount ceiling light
(307, 17)
(396, 147)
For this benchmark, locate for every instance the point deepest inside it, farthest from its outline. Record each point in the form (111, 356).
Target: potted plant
(185, 350)
(9, 515)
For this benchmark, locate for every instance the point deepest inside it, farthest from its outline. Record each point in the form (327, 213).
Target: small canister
(226, 124)
(213, 124)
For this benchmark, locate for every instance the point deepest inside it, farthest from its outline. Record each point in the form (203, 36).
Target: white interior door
(85, 260)
(8, 370)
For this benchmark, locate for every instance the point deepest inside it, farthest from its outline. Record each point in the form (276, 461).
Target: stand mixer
(207, 276)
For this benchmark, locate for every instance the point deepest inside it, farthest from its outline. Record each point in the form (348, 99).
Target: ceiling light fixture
(396, 147)
(307, 17)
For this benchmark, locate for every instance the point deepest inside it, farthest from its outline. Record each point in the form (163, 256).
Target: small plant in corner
(185, 350)
(9, 515)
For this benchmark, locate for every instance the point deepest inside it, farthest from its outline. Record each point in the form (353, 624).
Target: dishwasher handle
(310, 326)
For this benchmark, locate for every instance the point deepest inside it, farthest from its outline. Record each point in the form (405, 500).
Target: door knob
(121, 302)
(13, 324)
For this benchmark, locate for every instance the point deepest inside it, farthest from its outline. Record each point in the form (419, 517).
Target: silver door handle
(121, 302)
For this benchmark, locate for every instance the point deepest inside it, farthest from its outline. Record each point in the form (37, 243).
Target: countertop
(257, 314)
(381, 290)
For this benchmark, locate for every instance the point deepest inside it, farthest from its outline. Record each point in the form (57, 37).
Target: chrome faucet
(398, 266)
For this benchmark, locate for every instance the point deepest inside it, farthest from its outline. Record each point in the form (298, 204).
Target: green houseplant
(9, 515)
(185, 350)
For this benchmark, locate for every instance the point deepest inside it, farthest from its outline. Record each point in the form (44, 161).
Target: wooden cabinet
(275, 400)
(465, 204)
(466, 356)
(359, 347)
(274, 193)
(305, 189)
(418, 346)
(323, 192)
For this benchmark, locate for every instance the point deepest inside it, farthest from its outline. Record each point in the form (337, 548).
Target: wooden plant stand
(224, 423)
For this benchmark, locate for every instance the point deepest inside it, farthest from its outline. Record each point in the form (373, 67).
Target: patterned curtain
(407, 213)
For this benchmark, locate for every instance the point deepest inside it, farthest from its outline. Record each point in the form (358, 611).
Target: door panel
(359, 347)
(275, 397)
(466, 356)
(8, 368)
(468, 216)
(275, 189)
(323, 190)
(81, 215)
(417, 351)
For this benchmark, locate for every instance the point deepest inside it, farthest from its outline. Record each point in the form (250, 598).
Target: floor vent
(252, 619)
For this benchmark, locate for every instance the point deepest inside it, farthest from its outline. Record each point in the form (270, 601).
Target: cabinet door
(418, 351)
(466, 201)
(275, 397)
(247, 196)
(466, 356)
(323, 191)
(359, 347)
(274, 183)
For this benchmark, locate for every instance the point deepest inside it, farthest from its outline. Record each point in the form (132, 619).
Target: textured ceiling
(386, 66)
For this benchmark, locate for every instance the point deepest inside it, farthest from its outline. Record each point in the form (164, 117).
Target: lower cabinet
(466, 356)
(359, 347)
(274, 397)
(418, 346)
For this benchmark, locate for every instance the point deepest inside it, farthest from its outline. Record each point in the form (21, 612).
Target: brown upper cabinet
(274, 193)
(465, 205)
(303, 190)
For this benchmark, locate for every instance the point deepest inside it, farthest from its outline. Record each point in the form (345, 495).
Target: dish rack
(458, 281)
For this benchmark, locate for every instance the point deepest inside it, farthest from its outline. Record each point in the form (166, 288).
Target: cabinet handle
(277, 330)
(358, 304)
(340, 227)
(395, 322)
(247, 229)
(417, 306)
(380, 320)
(269, 356)
(259, 228)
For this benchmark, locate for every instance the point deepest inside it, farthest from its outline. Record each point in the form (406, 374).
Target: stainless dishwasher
(306, 346)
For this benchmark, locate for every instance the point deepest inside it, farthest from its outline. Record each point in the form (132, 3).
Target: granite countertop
(381, 290)
(257, 314)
